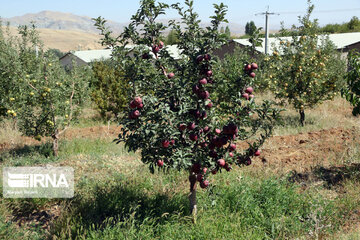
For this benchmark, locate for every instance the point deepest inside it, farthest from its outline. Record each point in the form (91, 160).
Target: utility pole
(267, 13)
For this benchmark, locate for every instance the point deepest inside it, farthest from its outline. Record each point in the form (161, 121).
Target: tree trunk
(302, 117)
(55, 145)
(192, 196)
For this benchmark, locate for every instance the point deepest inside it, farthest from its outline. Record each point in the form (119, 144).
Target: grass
(117, 198)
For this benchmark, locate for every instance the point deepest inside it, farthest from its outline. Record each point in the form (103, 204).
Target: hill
(61, 21)
(66, 40)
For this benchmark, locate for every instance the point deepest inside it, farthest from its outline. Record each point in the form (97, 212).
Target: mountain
(65, 40)
(69, 21)
(61, 21)
(67, 31)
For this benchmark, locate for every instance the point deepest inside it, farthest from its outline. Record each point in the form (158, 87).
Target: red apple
(155, 49)
(132, 104)
(209, 105)
(204, 184)
(165, 143)
(195, 168)
(199, 58)
(172, 142)
(209, 73)
(221, 162)
(249, 90)
(170, 75)
(196, 89)
(207, 57)
(203, 144)
(247, 67)
(231, 154)
(191, 126)
(182, 127)
(203, 81)
(214, 171)
(204, 94)
(138, 101)
(206, 129)
(145, 56)
(205, 170)
(232, 147)
(217, 131)
(257, 153)
(254, 66)
(160, 163)
(193, 137)
(252, 74)
(245, 95)
(161, 44)
(135, 114)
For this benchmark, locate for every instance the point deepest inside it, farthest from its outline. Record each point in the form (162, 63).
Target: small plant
(352, 89)
(172, 116)
(304, 72)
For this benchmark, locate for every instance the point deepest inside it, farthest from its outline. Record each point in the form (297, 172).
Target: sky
(239, 11)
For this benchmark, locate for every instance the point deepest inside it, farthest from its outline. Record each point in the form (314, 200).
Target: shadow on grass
(105, 205)
(294, 121)
(336, 175)
(332, 176)
(25, 151)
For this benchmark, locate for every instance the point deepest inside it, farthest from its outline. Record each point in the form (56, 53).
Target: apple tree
(10, 67)
(306, 70)
(45, 98)
(351, 91)
(172, 117)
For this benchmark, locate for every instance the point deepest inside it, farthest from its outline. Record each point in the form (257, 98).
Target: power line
(325, 11)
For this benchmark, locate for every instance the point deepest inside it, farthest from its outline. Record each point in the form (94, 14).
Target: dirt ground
(304, 151)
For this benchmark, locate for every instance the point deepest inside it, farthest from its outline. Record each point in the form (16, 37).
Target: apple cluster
(136, 105)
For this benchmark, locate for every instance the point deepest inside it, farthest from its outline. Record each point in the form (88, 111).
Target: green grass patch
(234, 208)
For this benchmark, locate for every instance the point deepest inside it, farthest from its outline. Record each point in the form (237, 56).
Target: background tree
(354, 23)
(176, 125)
(56, 52)
(352, 89)
(10, 67)
(228, 32)
(110, 90)
(306, 70)
(171, 38)
(250, 28)
(43, 98)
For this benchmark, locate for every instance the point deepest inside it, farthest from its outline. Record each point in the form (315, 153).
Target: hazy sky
(239, 11)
